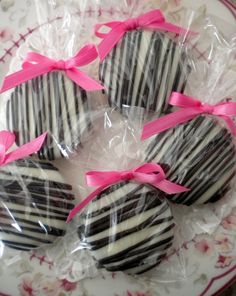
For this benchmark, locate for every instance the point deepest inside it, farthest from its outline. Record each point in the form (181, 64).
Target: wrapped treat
(127, 228)
(48, 90)
(34, 204)
(199, 153)
(52, 103)
(34, 198)
(146, 65)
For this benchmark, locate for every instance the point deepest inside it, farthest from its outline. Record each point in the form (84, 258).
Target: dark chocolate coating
(200, 155)
(143, 70)
(34, 204)
(128, 228)
(49, 103)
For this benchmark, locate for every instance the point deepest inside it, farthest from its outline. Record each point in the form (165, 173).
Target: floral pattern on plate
(210, 260)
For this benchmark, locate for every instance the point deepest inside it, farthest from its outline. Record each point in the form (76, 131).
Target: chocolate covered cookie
(143, 70)
(34, 204)
(129, 228)
(49, 103)
(199, 155)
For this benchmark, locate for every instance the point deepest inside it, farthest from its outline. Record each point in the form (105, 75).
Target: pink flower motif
(5, 34)
(204, 246)
(224, 261)
(68, 286)
(223, 243)
(26, 287)
(229, 223)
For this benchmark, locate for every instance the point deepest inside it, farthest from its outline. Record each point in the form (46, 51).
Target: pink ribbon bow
(151, 20)
(7, 139)
(191, 108)
(148, 173)
(36, 64)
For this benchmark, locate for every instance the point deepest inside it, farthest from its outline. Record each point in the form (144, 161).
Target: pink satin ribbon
(7, 139)
(190, 109)
(151, 20)
(36, 64)
(148, 173)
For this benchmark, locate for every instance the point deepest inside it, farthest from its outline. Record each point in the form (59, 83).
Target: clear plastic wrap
(147, 65)
(53, 101)
(35, 202)
(200, 155)
(130, 227)
(144, 68)
(127, 228)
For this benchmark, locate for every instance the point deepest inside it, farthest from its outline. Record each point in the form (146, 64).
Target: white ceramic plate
(209, 261)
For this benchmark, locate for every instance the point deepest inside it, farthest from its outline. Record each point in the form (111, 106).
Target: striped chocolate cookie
(127, 228)
(143, 70)
(34, 204)
(200, 155)
(51, 103)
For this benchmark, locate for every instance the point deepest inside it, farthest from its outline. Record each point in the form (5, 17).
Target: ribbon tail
(24, 75)
(170, 187)
(86, 55)
(169, 121)
(83, 80)
(84, 203)
(180, 100)
(110, 41)
(230, 123)
(25, 150)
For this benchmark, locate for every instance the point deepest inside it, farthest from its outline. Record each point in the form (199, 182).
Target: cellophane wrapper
(113, 139)
(35, 202)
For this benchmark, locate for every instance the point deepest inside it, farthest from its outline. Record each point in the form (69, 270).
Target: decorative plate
(203, 264)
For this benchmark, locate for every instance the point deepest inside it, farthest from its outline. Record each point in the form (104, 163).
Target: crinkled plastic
(143, 69)
(130, 227)
(147, 65)
(52, 102)
(34, 204)
(200, 155)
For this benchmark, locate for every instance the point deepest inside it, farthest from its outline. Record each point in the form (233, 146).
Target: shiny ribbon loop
(149, 173)
(36, 64)
(7, 139)
(190, 109)
(151, 20)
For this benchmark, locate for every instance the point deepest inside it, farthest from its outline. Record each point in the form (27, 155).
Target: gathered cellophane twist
(129, 227)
